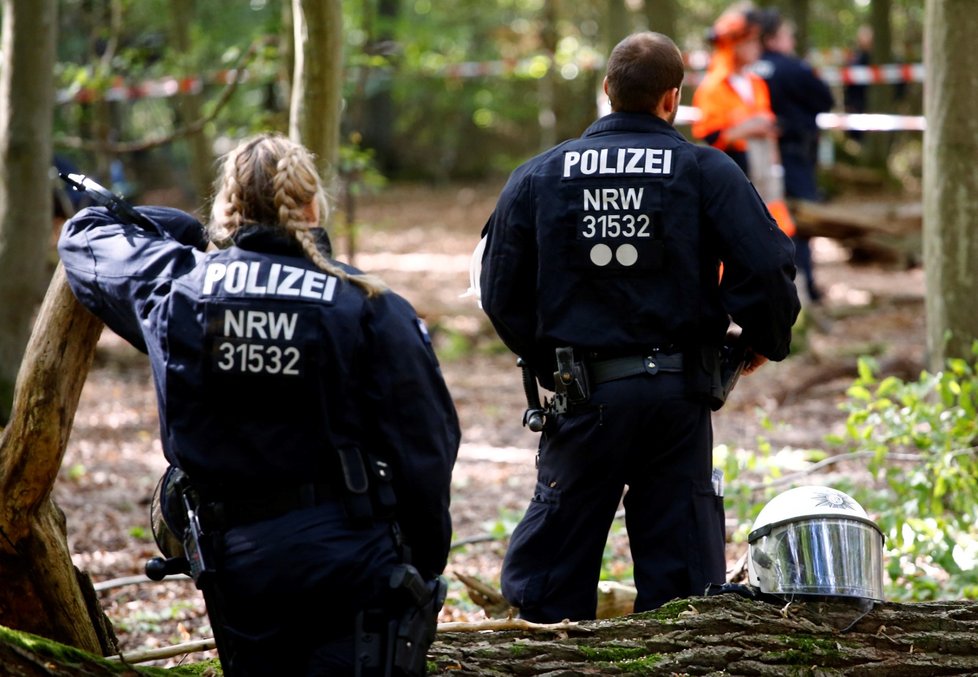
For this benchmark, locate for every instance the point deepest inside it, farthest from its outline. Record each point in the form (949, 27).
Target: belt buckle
(651, 364)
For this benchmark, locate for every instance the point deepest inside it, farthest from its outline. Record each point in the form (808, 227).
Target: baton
(534, 417)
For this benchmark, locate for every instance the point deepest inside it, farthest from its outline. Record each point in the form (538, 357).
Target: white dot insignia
(600, 254)
(627, 255)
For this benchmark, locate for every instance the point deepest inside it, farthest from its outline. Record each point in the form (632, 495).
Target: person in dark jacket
(302, 401)
(613, 265)
(798, 95)
(855, 95)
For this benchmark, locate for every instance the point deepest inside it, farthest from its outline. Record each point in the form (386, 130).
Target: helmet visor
(824, 556)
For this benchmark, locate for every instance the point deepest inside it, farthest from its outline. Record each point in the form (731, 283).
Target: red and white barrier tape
(893, 73)
(164, 87)
(890, 73)
(866, 122)
(169, 86)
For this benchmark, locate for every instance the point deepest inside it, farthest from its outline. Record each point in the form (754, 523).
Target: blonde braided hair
(271, 180)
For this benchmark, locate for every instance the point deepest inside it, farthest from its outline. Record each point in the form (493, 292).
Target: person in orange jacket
(735, 107)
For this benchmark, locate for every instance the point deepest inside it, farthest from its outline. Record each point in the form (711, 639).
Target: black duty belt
(602, 371)
(268, 504)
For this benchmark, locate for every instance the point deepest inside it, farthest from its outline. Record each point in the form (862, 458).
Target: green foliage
(909, 454)
(453, 345)
(63, 659)
(141, 533)
(503, 527)
(920, 438)
(77, 471)
(358, 168)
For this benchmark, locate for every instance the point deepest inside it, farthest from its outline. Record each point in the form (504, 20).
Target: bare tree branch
(238, 71)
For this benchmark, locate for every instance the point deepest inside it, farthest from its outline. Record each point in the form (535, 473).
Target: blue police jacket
(613, 242)
(798, 95)
(264, 365)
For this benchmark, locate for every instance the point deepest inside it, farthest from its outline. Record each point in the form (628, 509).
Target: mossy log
(731, 635)
(719, 635)
(887, 232)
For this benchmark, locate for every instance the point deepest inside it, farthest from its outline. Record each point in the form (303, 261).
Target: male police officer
(602, 270)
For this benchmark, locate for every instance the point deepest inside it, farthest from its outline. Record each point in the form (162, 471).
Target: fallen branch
(824, 463)
(132, 580)
(165, 652)
(564, 628)
(491, 600)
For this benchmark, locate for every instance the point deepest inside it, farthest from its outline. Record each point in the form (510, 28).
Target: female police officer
(304, 403)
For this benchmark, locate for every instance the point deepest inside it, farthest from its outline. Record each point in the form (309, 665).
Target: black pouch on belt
(359, 507)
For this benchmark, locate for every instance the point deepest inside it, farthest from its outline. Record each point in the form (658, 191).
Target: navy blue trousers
(288, 591)
(642, 432)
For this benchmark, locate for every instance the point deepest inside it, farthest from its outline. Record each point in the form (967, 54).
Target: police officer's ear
(668, 105)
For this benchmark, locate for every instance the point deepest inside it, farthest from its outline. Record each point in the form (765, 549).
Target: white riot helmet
(815, 540)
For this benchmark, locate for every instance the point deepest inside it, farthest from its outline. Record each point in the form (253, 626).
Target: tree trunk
(728, 634)
(189, 108)
(42, 592)
(876, 145)
(317, 83)
(800, 13)
(379, 115)
(663, 17)
(26, 101)
(547, 85)
(617, 23)
(950, 182)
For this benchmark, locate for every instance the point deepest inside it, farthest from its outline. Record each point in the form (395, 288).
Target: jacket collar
(632, 122)
(272, 240)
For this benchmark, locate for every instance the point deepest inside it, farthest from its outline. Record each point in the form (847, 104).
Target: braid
(230, 202)
(294, 188)
(272, 180)
(371, 284)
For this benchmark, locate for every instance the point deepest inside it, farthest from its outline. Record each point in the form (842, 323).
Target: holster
(394, 640)
(198, 544)
(570, 382)
(729, 363)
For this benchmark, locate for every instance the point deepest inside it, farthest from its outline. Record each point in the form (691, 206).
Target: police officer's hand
(753, 361)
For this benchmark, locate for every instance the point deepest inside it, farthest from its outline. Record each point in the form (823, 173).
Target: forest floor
(419, 238)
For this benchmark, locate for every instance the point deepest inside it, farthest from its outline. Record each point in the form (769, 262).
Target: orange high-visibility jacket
(722, 107)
